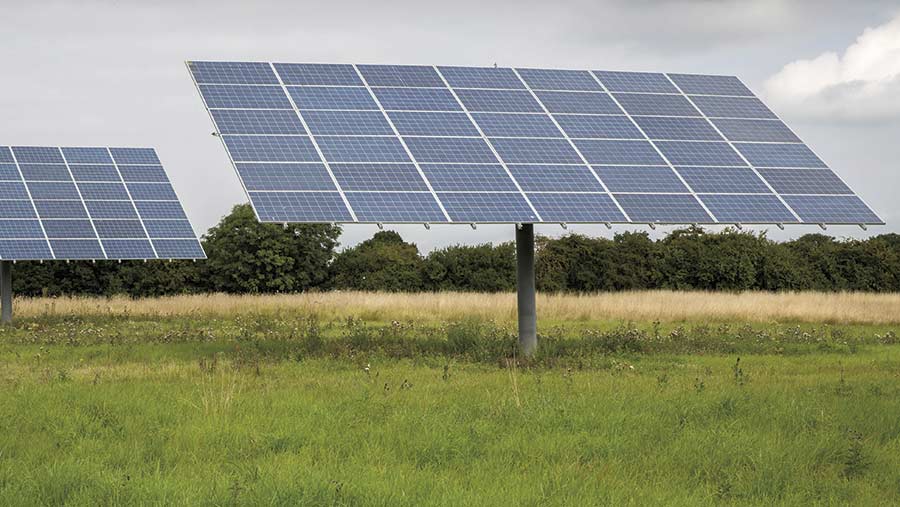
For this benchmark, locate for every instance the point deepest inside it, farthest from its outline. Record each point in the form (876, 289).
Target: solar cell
(481, 77)
(57, 218)
(552, 79)
(486, 140)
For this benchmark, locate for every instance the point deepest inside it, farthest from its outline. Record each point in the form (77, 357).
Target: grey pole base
(526, 294)
(6, 292)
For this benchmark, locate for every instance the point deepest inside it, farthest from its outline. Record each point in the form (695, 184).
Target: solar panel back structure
(427, 144)
(87, 203)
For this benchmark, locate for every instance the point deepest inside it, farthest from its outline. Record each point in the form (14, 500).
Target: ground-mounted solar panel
(436, 144)
(95, 203)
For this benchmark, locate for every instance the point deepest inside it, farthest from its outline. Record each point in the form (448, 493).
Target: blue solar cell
(77, 249)
(337, 123)
(257, 121)
(69, 229)
(152, 192)
(732, 107)
(400, 75)
(9, 172)
(362, 149)
(640, 179)
(300, 207)
(462, 177)
(750, 209)
(555, 178)
(619, 152)
(779, 155)
(318, 74)
(45, 172)
(700, 153)
(516, 125)
(169, 229)
(245, 97)
(6, 155)
(95, 172)
(378, 177)
(143, 173)
(663, 208)
(53, 190)
(128, 249)
(120, 229)
(103, 191)
(499, 101)
(576, 207)
(448, 150)
(700, 84)
(648, 104)
(159, 209)
(285, 176)
(232, 72)
(271, 149)
(433, 124)
(674, 129)
(178, 249)
(20, 229)
(13, 190)
(317, 97)
(82, 155)
(536, 151)
(598, 127)
(137, 156)
(756, 130)
(578, 102)
(723, 180)
(805, 181)
(37, 155)
(22, 249)
(832, 209)
(16, 209)
(552, 79)
(488, 207)
(113, 209)
(649, 82)
(482, 77)
(416, 99)
(60, 209)
(395, 207)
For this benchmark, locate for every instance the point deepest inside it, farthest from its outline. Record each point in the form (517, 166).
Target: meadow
(643, 398)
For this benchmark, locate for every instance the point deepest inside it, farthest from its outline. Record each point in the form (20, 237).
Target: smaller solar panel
(648, 104)
(755, 130)
(395, 207)
(640, 179)
(263, 176)
(598, 127)
(710, 85)
(487, 207)
(498, 101)
(619, 152)
(805, 181)
(536, 151)
(832, 209)
(468, 177)
(779, 155)
(481, 77)
(576, 207)
(723, 180)
(331, 97)
(299, 206)
(700, 153)
(552, 79)
(677, 129)
(432, 124)
(555, 178)
(646, 82)
(318, 74)
(516, 125)
(233, 72)
(578, 102)
(761, 208)
(663, 208)
(732, 107)
(379, 177)
(271, 149)
(342, 123)
(400, 75)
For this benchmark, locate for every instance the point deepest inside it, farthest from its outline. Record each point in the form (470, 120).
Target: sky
(97, 73)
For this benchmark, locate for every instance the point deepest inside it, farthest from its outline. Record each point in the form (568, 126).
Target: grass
(664, 306)
(286, 402)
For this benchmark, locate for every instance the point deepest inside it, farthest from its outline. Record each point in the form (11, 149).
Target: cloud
(862, 84)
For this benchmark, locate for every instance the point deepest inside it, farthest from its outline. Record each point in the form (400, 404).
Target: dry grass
(665, 306)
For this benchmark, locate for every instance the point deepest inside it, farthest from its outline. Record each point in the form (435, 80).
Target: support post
(525, 285)
(6, 292)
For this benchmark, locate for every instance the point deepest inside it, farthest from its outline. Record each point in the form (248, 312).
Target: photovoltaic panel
(482, 144)
(89, 203)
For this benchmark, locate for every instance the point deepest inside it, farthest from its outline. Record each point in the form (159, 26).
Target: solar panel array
(383, 143)
(90, 203)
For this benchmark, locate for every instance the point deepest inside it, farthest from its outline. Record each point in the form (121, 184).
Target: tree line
(246, 256)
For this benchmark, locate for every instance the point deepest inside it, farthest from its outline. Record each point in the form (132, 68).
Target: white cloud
(862, 84)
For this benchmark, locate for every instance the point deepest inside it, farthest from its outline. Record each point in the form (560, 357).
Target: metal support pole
(6, 292)
(526, 297)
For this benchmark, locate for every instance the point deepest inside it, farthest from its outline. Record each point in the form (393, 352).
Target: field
(650, 398)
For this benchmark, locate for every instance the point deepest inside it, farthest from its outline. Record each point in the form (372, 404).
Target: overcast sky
(112, 73)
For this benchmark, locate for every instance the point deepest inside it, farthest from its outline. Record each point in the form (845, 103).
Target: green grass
(286, 410)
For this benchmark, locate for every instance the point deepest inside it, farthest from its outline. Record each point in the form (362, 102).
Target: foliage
(384, 262)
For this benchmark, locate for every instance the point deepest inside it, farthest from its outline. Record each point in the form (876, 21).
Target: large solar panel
(388, 143)
(90, 203)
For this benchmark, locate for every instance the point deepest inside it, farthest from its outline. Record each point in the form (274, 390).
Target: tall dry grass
(665, 306)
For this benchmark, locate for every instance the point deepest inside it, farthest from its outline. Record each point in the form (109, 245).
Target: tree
(482, 268)
(384, 262)
(248, 256)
